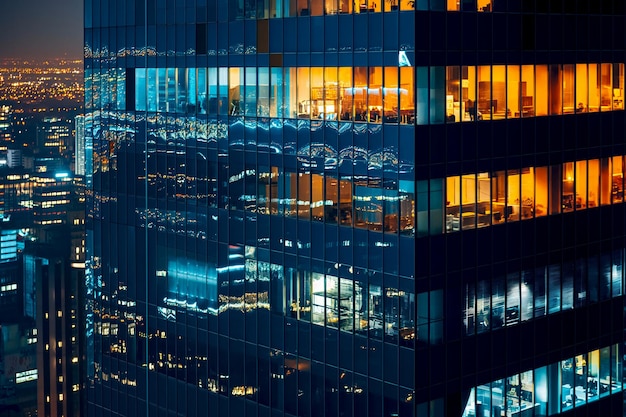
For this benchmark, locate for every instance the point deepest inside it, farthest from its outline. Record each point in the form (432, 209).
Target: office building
(6, 125)
(59, 313)
(15, 191)
(18, 331)
(79, 145)
(11, 285)
(18, 359)
(53, 137)
(14, 158)
(380, 208)
(51, 198)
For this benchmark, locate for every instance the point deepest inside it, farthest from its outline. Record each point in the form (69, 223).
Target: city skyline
(40, 29)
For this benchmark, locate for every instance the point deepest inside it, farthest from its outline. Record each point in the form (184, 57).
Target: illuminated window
(569, 198)
(581, 185)
(541, 89)
(541, 191)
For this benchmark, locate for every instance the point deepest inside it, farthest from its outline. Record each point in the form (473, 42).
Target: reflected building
(398, 208)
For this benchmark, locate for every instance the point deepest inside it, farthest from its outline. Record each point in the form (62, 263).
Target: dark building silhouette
(59, 299)
(336, 208)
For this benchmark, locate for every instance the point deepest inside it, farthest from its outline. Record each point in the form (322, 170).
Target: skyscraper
(384, 208)
(6, 125)
(53, 136)
(79, 145)
(57, 289)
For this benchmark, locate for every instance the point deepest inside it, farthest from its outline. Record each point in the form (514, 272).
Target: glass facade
(551, 389)
(336, 208)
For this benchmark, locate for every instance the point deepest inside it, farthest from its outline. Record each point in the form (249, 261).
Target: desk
(484, 219)
(469, 219)
(390, 117)
(407, 116)
(568, 109)
(452, 223)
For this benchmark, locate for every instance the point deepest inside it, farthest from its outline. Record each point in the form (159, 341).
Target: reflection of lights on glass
(403, 59)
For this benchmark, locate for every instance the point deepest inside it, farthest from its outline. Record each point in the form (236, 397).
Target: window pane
(235, 81)
(484, 200)
(582, 88)
(468, 93)
(514, 91)
(568, 89)
(593, 174)
(618, 86)
(581, 184)
(498, 196)
(498, 94)
(605, 181)
(512, 313)
(594, 87)
(513, 202)
(569, 199)
(606, 87)
(391, 93)
(453, 94)
(347, 94)
(407, 95)
(453, 202)
(485, 105)
(468, 201)
(541, 191)
(437, 94)
(617, 188)
(541, 89)
(527, 205)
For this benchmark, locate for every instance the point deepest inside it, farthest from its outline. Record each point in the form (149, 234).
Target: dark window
(201, 40)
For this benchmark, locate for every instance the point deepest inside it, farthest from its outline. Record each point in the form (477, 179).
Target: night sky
(41, 29)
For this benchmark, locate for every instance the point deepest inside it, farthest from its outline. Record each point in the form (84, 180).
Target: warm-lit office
(390, 95)
(287, 8)
(479, 200)
(513, 91)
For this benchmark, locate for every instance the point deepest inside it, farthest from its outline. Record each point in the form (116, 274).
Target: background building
(54, 137)
(18, 354)
(79, 146)
(38, 100)
(41, 276)
(59, 299)
(322, 208)
(14, 158)
(6, 125)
